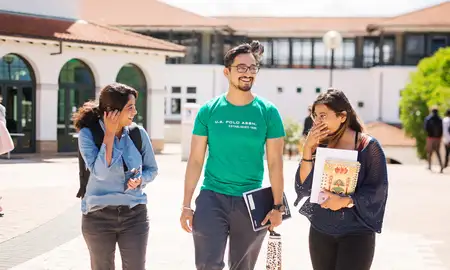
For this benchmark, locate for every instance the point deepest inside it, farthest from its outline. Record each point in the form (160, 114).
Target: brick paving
(41, 226)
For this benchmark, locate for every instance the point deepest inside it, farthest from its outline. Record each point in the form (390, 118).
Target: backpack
(98, 134)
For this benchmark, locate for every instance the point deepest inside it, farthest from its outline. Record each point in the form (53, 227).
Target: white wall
(360, 85)
(105, 66)
(56, 8)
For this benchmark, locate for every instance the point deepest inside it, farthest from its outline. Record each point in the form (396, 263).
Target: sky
(286, 8)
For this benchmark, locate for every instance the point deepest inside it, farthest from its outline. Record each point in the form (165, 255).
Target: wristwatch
(279, 207)
(350, 204)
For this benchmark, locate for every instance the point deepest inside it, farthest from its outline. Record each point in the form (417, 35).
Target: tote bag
(273, 260)
(6, 142)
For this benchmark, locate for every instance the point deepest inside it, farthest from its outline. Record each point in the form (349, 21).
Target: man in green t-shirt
(236, 127)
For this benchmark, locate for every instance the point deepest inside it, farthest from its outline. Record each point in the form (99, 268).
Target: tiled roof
(78, 31)
(389, 135)
(437, 15)
(143, 13)
(298, 24)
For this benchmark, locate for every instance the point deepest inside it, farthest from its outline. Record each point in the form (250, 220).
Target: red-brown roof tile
(143, 13)
(255, 25)
(389, 135)
(78, 31)
(437, 15)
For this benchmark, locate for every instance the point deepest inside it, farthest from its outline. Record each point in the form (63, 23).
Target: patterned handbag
(273, 261)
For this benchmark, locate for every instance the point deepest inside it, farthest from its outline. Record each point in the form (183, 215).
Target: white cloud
(302, 7)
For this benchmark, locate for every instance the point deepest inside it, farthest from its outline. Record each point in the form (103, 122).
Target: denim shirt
(107, 184)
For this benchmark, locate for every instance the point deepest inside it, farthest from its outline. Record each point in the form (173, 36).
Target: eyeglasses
(243, 68)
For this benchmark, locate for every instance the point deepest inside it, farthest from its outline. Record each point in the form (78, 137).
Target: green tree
(429, 86)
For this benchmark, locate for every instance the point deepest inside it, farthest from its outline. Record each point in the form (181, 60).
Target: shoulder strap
(97, 134)
(135, 135)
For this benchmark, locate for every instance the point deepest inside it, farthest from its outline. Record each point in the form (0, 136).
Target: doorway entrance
(17, 94)
(76, 86)
(133, 76)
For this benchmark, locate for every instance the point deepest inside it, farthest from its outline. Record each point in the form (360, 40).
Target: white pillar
(155, 117)
(46, 118)
(188, 115)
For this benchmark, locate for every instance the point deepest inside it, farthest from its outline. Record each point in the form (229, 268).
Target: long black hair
(336, 101)
(112, 97)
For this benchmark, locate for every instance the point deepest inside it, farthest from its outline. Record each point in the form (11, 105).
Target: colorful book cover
(340, 176)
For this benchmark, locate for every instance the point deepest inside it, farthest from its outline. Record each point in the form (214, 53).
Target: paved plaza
(41, 226)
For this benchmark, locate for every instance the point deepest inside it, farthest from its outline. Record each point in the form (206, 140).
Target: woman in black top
(342, 232)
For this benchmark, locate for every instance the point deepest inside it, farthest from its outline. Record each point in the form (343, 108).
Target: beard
(244, 86)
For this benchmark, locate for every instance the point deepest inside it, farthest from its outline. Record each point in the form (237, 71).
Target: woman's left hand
(334, 201)
(134, 183)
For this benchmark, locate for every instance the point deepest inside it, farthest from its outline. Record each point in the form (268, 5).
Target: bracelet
(307, 160)
(187, 208)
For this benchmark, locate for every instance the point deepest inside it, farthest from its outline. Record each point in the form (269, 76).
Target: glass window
(176, 90)
(301, 53)
(191, 90)
(191, 100)
(75, 71)
(281, 52)
(414, 49)
(176, 106)
(267, 55)
(14, 68)
(345, 54)
(437, 42)
(131, 75)
(371, 51)
(321, 55)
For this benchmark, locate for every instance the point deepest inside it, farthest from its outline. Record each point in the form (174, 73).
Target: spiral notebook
(340, 176)
(260, 202)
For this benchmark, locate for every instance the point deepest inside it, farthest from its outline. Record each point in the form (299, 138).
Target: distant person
(434, 130)
(236, 127)
(114, 204)
(446, 136)
(308, 123)
(343, 227)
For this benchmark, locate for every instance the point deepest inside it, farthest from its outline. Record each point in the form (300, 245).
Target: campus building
(51, 62)
(372, 64)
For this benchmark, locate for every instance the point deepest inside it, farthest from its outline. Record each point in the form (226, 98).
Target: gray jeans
(127, 227)
(216, 218)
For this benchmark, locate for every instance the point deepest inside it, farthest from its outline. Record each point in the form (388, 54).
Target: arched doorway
(133, 76)
(18, 95)
(76, 86)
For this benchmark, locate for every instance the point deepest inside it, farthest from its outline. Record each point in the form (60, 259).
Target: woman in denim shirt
(343, 227)
(114, 205)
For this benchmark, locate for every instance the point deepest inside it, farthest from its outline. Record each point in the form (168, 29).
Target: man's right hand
(186, 219)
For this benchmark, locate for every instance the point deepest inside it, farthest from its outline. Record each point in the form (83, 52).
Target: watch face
(282, 209)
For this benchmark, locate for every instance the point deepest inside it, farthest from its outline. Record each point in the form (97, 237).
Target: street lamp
(332, 40)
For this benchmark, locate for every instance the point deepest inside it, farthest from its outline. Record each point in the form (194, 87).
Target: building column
(155, 118)
(46, 118)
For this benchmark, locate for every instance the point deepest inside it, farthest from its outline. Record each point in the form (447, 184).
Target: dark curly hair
(255, 48)
(112, 97)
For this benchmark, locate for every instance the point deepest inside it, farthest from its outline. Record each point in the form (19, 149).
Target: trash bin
(188, 114)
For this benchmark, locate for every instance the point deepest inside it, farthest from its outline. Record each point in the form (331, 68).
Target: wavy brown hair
(112, 97)
(336, 101)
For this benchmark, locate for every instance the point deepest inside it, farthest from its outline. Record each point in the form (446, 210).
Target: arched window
(133, 76)
(76, 86)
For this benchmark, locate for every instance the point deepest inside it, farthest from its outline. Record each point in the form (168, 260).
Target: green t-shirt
(236, 140)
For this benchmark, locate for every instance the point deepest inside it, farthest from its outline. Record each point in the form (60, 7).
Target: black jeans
(216, 218)
(103, 229)
(347, 252)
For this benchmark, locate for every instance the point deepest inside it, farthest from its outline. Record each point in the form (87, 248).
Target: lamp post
(332, 40)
